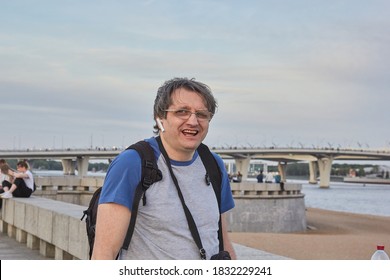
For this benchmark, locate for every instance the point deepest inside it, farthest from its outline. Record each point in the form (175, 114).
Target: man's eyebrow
(178, 107)
(186, 107)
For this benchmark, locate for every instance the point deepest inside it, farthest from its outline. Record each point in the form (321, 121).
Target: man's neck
(175, 154)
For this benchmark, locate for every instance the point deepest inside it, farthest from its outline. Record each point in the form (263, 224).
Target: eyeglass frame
(191, 113)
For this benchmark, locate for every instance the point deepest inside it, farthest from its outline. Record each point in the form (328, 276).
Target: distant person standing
(260, 177)
(23, 185)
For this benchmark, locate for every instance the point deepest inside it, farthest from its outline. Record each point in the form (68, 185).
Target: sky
(77, 74)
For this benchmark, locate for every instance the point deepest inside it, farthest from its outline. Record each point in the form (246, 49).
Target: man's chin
(192, 143)
(190, 146)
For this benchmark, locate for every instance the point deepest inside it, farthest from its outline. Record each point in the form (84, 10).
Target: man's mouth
(190, 132)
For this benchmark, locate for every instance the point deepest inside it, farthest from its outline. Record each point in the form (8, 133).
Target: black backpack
(150, 175)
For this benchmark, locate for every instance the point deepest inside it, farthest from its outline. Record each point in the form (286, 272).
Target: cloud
(282, 72)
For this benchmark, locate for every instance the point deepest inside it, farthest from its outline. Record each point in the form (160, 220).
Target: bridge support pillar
(325, 166)
(68, 166)
(282, 167)
(313, 170)
(82, 166)
(242, 165)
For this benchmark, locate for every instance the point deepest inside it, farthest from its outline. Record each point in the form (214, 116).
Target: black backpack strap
(90, 213)
(149, 175)
(190, 220)
(215, 176)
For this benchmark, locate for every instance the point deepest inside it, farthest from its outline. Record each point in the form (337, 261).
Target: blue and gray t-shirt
(161, 230)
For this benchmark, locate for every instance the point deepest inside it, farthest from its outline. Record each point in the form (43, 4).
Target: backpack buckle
(202, 252)
(147, 182)
(148, 164)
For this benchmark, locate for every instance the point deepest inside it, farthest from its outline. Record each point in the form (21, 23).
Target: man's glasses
(184, 114)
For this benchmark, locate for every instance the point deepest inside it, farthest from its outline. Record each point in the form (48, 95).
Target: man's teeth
(192, 132)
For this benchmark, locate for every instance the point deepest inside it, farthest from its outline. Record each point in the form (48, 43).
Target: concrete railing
(71, 189)
(53, 227)
(50, 219)
(69, 183)
(254, 190)
(260, 207)
(267, 207)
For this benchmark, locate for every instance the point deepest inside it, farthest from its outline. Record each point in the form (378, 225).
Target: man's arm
(227, 244)
(111, 227)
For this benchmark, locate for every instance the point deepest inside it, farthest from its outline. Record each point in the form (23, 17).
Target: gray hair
(164, 96)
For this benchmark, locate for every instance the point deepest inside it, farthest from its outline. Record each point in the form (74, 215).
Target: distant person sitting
(4, 168)
(269, 178)
(260, 177)
(277, 178)
(6, 180)
(23, 184)
(238, 178)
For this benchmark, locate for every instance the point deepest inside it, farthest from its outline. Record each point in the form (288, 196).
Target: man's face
(183, 136)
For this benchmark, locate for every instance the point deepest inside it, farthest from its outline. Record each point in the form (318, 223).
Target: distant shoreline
(365, 180)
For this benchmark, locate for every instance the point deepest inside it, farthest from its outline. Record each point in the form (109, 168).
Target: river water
(354, 198)
(346, 197)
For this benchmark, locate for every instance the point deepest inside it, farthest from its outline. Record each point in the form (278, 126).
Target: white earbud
(159, 123)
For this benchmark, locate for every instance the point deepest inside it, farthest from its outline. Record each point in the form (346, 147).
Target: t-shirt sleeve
(123, 176)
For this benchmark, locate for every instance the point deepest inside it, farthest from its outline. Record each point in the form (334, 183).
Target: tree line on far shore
(43, 164)
(342, 170)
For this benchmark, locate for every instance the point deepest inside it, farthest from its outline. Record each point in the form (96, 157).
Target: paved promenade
(10, 249)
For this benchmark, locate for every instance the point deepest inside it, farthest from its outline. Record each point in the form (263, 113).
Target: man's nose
(193, 119)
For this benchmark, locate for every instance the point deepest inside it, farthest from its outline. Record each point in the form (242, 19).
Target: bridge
(320, 159)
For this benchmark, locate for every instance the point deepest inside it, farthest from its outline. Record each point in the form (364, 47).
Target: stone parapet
(267, 207)
(59, 183)
(45, 222)
(260, 207)
(71, 189)
(53, 227)
(266, 190)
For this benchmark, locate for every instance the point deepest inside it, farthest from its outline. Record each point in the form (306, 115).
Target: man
(260, 177)
(183, 109)
(23, 184)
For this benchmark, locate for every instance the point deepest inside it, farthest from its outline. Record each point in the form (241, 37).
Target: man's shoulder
(132, 155)
(153, 144)
(218, 159)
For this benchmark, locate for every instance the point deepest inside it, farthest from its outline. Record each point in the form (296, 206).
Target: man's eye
(202, 115)
(181, 112)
